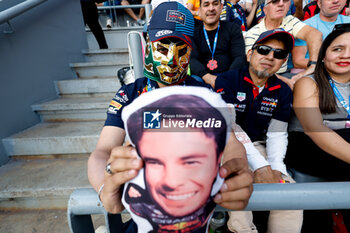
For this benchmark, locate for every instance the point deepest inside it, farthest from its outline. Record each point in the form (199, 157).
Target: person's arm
(252, 12)
(313, 38)
(265, 175)
(237, 47)
(210, 79)
(261, 168)
(124, 166)
(248, 6)
(110, 137)
(306, 108)
(298, 56)
(276, 145)
(238, 185)
(277, 134)
(255, 159)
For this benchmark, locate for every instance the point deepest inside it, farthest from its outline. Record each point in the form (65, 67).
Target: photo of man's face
(181, 151)
(180, 169)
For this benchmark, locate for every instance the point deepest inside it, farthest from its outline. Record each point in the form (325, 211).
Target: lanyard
(340, 97)
(215, 40)
(149, 86)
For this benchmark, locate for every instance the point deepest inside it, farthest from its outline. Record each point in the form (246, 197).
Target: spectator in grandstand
(166, 60)
(259, 14)
(90, 15)
(321, 105)
(246, 5)
(263, 106)
(313, 8)
(233, 12)
(330, 15)
(155, 3)
(132, 14)
(111, 16)
(275, 11)
(218, 45)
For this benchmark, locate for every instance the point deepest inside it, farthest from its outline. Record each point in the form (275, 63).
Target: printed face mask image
(174, 191)
(178, 177)
(166, 61)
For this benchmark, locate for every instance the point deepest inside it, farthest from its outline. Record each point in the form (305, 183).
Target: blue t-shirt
(322, 26)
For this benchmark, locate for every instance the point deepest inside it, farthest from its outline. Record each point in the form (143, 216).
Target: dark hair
(327, 101)
(178, 105)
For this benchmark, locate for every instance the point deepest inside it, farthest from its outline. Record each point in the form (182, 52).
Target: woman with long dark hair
(319, 148)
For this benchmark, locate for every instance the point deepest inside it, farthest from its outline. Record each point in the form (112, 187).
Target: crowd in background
(316, 68)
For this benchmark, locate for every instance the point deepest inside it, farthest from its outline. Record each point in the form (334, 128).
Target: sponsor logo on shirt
(220, 91)
(268, 105)
(112, 110)
(240, 107)
(241, 96)
(123, 96)
(115, 104)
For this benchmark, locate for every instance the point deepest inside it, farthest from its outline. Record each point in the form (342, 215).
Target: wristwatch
(311, 63)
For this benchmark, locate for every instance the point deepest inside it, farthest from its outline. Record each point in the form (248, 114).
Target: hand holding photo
(182, 150)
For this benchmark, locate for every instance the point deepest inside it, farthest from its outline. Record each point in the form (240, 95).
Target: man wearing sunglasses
(263, 106)
(275, 17)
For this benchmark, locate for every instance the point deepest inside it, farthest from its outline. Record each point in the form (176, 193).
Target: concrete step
(40, 221)
(88, 87)
(37, 184)
(105, 69)
(73, 109)
(55, 138)
(120, 55)
(54, 221)
(115, 37)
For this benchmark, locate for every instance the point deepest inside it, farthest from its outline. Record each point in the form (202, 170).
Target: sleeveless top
(305, 156)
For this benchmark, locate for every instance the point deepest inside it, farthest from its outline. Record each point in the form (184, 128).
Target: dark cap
(279, 34)
(171, 19)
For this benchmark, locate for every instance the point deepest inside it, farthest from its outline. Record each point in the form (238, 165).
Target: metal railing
(12, 12)
(147, 7)
(308, 196)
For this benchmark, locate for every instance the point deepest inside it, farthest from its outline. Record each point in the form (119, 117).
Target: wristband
(311, 63)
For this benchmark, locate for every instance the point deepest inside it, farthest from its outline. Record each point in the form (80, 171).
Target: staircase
(49, 160)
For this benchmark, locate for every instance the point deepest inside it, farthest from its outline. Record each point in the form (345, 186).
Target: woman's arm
(306, 107)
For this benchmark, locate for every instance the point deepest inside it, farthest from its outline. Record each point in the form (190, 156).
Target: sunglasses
(265, 50)
(275, 2)
(340, 27)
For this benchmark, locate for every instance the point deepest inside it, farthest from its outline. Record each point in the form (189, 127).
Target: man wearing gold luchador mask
(169, 46)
